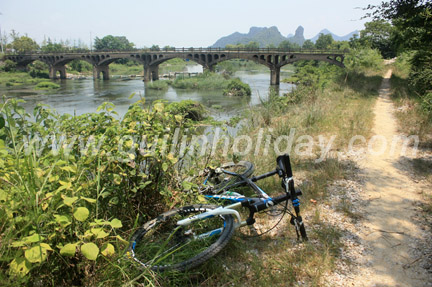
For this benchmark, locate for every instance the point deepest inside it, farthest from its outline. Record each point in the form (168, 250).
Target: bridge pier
(97, 70)
(54, 69)
(274, 76)
(151, 73)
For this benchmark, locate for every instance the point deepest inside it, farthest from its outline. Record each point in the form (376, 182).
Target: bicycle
(185, 237)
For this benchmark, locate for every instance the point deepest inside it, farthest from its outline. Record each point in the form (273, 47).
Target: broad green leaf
(33, 238)
(108, 249)
(64, 185)
(99, 232)
(90, 200)
(3, 195)
(81, 213)
(159, 107)
(46, 246)
(115, 223)
(69, 249)
(69, 200)
(164, 166)
(19, 267)
(90, 250)
(122, 240)
(36, 254)
(143, 185)
(186, 185)
(131, 96)
(63, 220)
(69, 168)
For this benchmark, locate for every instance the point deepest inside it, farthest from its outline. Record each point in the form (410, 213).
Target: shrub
(67, 205)
(189, 109)
(237, 88)
(9, 66)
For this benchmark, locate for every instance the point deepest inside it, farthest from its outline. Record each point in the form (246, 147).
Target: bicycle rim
(163, 245)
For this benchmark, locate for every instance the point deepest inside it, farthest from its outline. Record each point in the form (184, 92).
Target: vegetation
(157, 85)
(205, 81)
(47, 86)
(113, 43)
(72, 189)
(237, 88)
(412, 26)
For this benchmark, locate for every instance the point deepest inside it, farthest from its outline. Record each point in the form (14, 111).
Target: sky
(180, 23)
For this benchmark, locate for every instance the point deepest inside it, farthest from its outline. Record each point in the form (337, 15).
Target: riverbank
(315, 123)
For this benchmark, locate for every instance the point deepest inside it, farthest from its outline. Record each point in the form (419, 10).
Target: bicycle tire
(163, 233)
(243, 168)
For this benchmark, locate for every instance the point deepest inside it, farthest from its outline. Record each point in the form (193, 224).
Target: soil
(392, 237)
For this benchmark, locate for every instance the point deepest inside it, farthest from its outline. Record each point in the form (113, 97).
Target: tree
(379, 34)
(412, 19)
(23, 44)
(308, 44)
(252, 45)
(287, 45)
(155, 48)
(324, 41)
(413, 22)
(51, 47)
(113, 43)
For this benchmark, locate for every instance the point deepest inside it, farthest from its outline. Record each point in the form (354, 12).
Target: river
(85, 95)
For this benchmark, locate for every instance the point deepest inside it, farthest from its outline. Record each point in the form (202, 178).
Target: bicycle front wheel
(161, 244)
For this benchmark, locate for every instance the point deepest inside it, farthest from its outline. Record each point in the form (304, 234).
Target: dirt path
(390, 231)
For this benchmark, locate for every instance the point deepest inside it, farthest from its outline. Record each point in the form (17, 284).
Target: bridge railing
(185, 50)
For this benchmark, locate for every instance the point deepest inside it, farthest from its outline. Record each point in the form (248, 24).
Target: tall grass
(343, 107)
(412, 118)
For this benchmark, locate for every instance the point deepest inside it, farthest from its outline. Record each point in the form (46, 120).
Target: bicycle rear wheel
(161, 244)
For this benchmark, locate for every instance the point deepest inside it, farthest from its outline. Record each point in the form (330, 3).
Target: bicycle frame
(254, 204)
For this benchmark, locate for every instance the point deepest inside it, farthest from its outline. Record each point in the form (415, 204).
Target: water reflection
(85, 95)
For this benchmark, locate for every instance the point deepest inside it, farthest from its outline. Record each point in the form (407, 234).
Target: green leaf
(2, 122)
(19, 267)
(36, 254)
(69, 200)
(68, 168)
(63, 220)
(131, 96)
(164, 166)
(3, 195)
(90, 250)
(99, 232)
(64, 185)
(81, 213)
(69, 249)
(33, 238)
(90, 200)
(186, 185)
(159, 107)
(116, 223)
(108, 249)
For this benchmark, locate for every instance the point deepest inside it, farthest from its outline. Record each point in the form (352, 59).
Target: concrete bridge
(274, 59)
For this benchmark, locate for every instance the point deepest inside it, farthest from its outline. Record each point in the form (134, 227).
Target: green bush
(237, 88)
(9, 66)
(157, 85)
(39, 69)
(426, 103)
(188, 109)
(73, 187)
(206, 81)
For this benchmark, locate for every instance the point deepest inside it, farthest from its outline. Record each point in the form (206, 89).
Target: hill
(271, 36)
